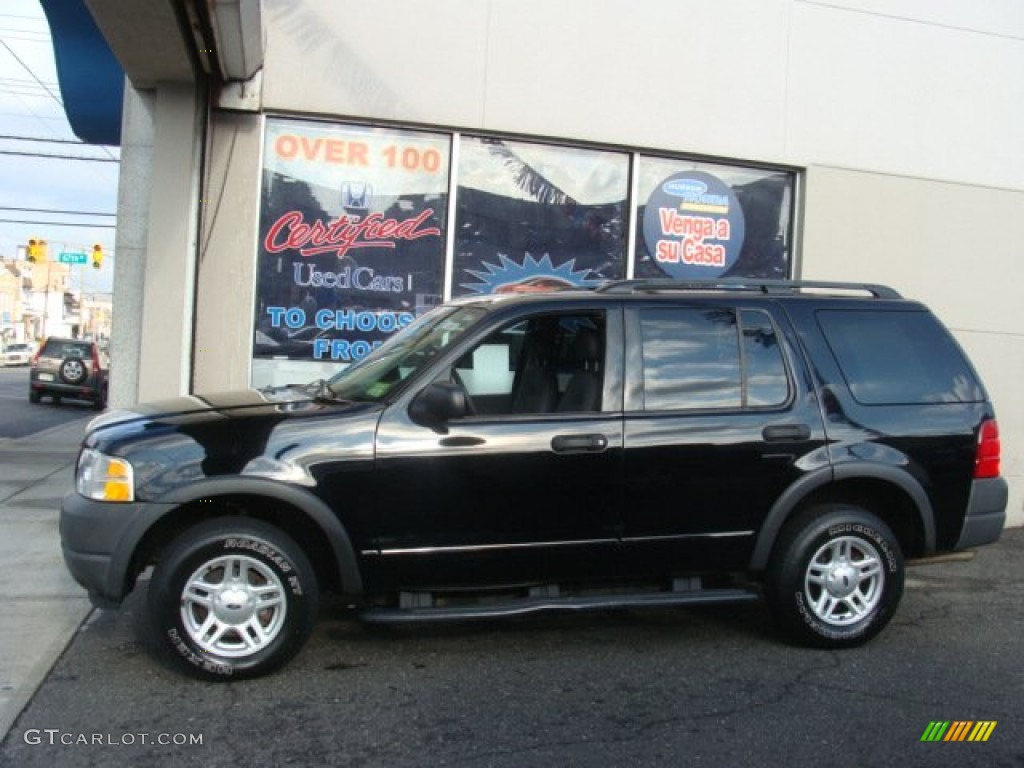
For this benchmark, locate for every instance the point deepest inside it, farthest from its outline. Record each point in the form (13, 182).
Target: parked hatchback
(69, 368)
(650, 443)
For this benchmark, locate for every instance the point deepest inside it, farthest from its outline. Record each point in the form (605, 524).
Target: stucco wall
(227, 253)
(911, 87)
(954, 247)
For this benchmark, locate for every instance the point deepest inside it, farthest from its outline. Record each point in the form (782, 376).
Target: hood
(227, 404)
(279, 433)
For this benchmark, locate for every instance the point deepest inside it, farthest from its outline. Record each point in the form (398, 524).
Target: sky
(52, 195)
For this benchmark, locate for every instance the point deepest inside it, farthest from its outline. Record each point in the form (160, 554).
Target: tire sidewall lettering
(193, 658)
(271, 555)
(824, 630)
(871, 535)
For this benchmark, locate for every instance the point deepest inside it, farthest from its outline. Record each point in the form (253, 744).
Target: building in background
(301, 178)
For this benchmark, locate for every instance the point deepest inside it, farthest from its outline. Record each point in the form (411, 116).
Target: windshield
(412, 348)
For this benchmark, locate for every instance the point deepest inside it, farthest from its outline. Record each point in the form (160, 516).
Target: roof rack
(652, 285)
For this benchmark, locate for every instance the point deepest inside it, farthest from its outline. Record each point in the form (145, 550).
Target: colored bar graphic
(982, 730)
(958, 730)
(935, 731)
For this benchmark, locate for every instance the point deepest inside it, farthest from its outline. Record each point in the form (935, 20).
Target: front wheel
(836, 576)
(233, 598)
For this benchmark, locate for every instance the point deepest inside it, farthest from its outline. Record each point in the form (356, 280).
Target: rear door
(718, 411)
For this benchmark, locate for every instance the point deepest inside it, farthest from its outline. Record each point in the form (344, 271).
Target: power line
(58, 224)
(29, 70)
(60, 157)
(53, 96)
(49, 141)
(55, 210)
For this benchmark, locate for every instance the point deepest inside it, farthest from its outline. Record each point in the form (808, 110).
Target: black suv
(649, 443)
(73, 368)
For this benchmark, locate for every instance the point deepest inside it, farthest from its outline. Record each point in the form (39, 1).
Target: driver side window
(550, 363)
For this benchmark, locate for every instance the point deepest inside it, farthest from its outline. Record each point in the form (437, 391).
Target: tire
(34, 397)
(836, 577)
(211, 625)
(73, 371)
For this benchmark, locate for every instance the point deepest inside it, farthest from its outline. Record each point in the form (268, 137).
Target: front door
(526, 487)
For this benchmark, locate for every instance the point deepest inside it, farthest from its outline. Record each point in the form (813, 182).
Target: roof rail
(652, 285)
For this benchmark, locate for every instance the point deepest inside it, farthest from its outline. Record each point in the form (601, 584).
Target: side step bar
(532, 605)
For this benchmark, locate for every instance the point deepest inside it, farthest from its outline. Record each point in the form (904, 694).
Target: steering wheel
(456, 379)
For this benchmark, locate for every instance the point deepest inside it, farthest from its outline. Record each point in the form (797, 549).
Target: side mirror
(438, 404)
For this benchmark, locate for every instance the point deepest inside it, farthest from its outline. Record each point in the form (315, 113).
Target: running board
(533, 605)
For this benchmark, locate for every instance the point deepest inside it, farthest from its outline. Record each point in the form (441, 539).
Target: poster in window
(351, 237)
(535, 217)
(706, 221)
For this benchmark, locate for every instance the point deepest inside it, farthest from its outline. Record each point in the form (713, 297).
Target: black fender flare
(793, 496)
(312, 506)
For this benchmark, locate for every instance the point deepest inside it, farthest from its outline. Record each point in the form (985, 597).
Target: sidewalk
(42, 607)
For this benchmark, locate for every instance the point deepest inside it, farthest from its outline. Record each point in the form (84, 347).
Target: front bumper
(98, 540)
(986, 513)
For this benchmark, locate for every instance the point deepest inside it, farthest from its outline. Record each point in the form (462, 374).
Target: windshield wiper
(323, 393)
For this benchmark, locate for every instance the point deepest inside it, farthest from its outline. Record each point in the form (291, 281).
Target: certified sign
(693, 226)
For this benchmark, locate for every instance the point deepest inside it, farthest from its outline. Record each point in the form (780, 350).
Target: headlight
(104, 478)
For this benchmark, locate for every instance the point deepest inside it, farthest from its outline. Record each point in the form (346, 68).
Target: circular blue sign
(693, 226)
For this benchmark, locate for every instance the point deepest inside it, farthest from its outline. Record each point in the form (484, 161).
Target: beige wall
(955, 247)
(914, 87)
(227, 253)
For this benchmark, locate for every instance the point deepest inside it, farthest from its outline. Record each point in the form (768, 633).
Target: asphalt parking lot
(711, 686)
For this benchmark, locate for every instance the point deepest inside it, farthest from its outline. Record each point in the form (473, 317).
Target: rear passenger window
(697, 359)
(890, 358)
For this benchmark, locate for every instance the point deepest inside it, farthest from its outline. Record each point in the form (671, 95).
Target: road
(699, 687)
(19, 417)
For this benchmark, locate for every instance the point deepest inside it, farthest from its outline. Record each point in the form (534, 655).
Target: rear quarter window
(898, 357)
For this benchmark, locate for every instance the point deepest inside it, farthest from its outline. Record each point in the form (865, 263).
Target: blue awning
(91, 79)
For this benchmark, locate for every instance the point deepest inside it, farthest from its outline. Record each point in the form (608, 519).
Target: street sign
(72, 257)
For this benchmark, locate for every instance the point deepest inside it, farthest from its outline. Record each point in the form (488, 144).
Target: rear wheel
(836, 576)
(233, 598)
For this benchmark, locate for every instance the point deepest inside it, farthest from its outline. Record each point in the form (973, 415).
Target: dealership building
(302, 178)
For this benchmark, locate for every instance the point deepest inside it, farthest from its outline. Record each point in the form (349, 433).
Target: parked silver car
(17, 354)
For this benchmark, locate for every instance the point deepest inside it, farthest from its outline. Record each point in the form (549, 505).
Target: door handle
(579, 443)
(782, 432)
(461, 442)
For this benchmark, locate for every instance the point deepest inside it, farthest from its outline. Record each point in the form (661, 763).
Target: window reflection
(692, 360)
(533, 217)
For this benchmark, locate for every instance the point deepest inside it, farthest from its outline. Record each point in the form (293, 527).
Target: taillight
(95, 360)
(35, 358)
(986, 461)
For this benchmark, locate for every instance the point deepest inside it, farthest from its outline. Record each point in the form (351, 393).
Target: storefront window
(534, 217)
(352, 233)
(705, 221)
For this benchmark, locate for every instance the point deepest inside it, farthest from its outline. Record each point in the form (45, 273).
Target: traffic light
(36, 250)
(97, 256)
